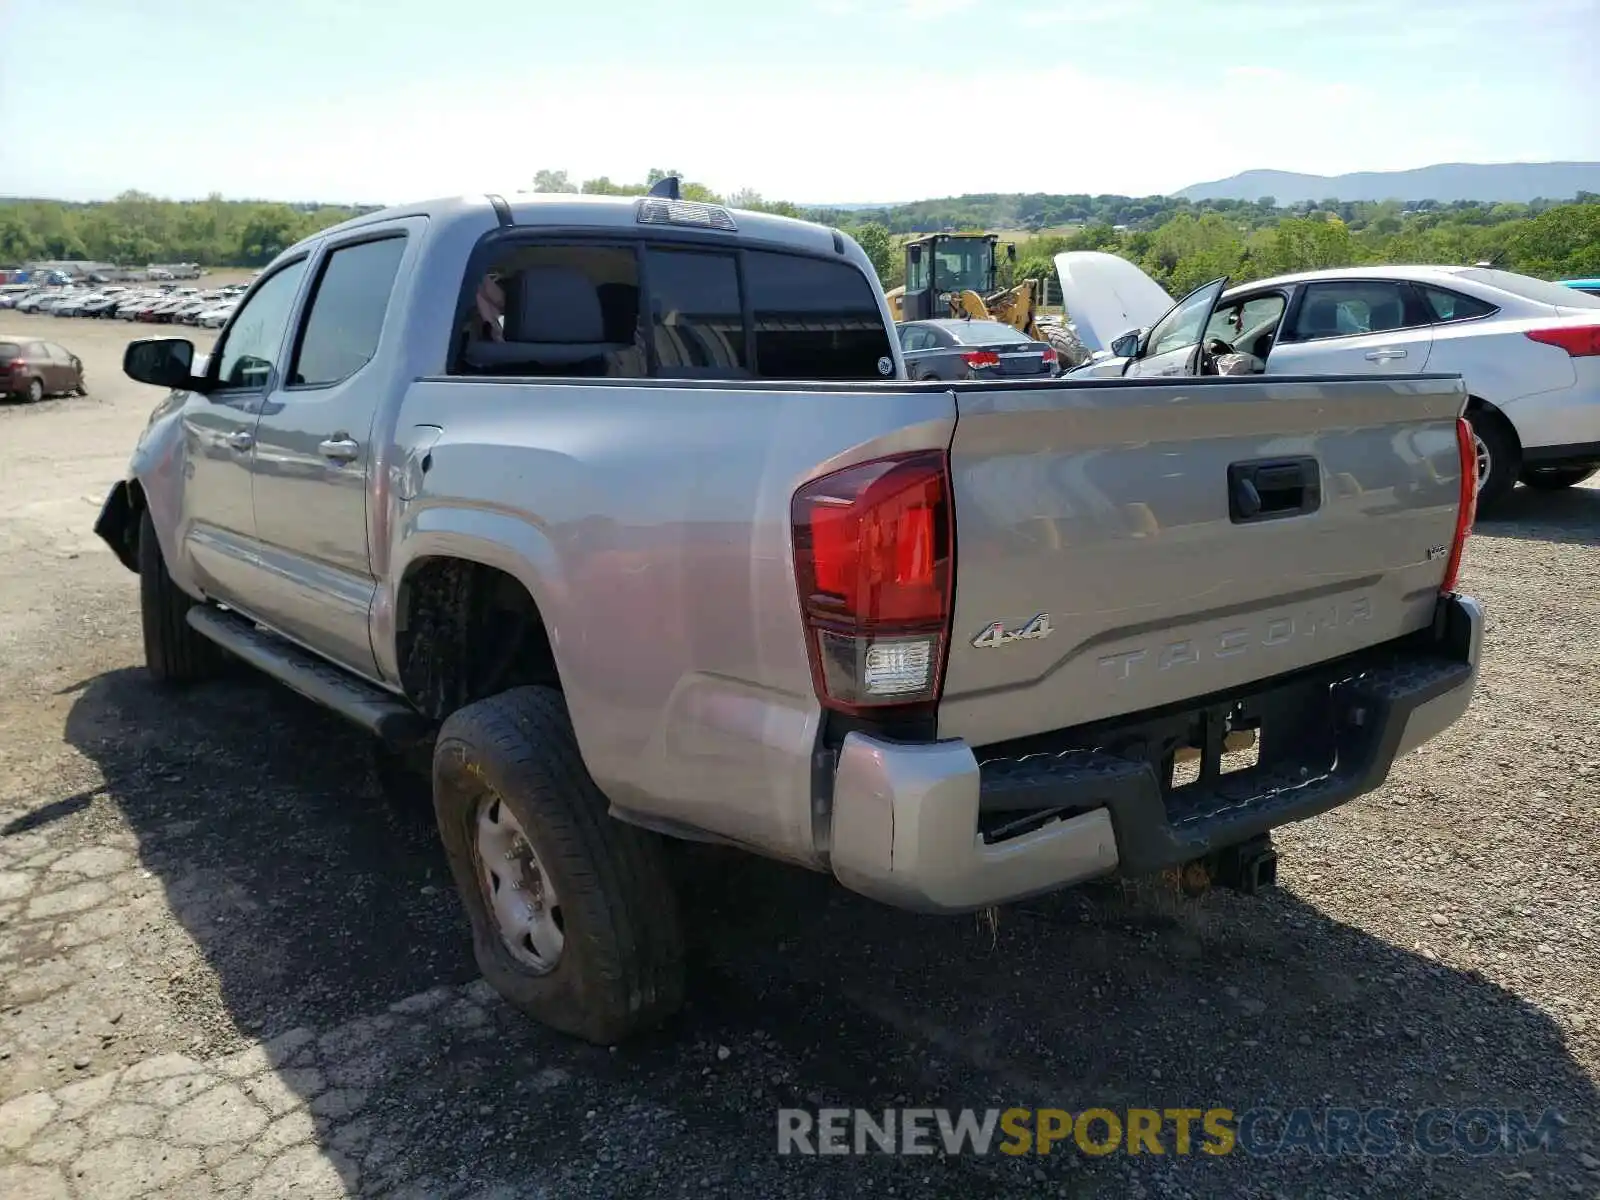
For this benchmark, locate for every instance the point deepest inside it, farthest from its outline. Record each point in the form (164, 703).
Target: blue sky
(832, 100)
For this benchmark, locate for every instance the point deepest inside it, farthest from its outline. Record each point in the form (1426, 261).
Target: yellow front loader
(955, 275)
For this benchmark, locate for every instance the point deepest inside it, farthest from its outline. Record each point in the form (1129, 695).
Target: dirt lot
(230, 967)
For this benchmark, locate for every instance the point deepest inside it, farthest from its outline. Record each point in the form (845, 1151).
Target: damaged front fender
(118, 525)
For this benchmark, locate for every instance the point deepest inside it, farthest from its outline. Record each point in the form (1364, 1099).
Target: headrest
(1322, 316)
(556, 304)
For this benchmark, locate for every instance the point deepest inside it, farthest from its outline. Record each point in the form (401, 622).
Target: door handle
(1384, 355)
(241, 440)
(339, 449)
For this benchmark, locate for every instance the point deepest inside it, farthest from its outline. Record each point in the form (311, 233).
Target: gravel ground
(228, 967)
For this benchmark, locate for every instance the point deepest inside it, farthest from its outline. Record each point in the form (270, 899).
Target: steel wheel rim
(1484, 458)
(519, 893)
(35, 391)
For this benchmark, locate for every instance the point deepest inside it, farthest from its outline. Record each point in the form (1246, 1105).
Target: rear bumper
(1561, 425)
(929, 827)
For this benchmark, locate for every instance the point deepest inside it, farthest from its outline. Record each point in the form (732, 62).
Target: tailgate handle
(1267, 489)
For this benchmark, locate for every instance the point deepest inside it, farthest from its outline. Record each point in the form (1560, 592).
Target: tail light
(873, 551)
(1049, 357)
(17, 364)
(1467, 444)
(981, 358)
(1580, 341)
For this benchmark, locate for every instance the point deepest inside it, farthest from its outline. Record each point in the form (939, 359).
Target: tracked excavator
(956, 275)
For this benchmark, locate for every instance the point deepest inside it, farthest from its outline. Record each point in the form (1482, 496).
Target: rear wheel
(35, 390)
(173, 651)
(1498, 457)
(1553, 479)
(573, 916)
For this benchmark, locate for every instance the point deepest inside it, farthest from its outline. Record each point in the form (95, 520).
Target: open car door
(1173, 345)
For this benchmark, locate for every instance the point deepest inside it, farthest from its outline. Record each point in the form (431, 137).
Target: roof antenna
(666, 187)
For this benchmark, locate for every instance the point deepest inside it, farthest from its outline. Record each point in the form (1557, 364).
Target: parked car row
(159, 305)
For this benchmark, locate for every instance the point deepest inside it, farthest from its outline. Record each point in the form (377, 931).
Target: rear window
(1530, 288)
(702, 313)
(698, 319)
(10, 350)
(814, 319)
(972, 333)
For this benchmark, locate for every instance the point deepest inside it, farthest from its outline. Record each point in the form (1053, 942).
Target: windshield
(972, 333)
(961, 264)
(1530, 288)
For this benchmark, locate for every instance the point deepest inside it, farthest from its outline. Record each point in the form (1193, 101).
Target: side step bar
(372, 708)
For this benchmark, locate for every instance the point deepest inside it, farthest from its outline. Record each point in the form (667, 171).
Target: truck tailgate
(1123, 545)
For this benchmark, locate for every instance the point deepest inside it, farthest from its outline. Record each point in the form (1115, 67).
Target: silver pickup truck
(622, 511)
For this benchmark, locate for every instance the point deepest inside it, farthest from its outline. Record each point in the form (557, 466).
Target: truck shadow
(319, 906)
(1571, 516)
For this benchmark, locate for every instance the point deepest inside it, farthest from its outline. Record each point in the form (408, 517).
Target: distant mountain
(1517, 182)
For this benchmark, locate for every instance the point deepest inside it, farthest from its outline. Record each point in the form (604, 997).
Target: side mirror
(916, 254)
(1126, 346)
(163, 362)
(1011, 251)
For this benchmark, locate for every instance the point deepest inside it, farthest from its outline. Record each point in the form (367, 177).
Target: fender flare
(490, 537)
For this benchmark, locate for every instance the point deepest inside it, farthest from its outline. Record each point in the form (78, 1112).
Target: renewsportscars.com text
(1258, 1132)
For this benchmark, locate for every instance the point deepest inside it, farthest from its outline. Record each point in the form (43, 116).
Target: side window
(917, 338)
(346, 313)
(57, 353)
(815, 318)
(1343, 309)
(696, 317)
(1453, 306)
(917, 273)
(1244, 323)
(554, 309)
(37, 350)
(250, 351)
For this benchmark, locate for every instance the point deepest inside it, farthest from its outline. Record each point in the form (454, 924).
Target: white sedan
(1528, 350)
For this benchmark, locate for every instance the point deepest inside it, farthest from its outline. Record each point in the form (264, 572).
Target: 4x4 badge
(996, 634)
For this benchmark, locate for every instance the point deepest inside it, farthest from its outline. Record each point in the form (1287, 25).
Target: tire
(173, 652)
(619, 966)
(1553, 479)
(35, 390)
(1504, 457)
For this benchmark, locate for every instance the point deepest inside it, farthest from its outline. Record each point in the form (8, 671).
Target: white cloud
(1272, 74)
(925, 9)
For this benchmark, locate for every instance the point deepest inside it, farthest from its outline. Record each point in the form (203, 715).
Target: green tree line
(135, 229)
(1178, 242)
(1187, 249)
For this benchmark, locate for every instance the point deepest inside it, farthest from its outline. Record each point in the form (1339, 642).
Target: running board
(314, 678)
